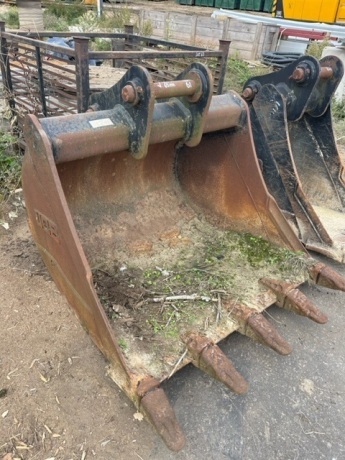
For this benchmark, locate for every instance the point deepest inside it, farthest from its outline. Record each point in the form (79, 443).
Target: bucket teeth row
(323, 275)
(256, 326)
(156, 406)
(291, 298)
(208, 357)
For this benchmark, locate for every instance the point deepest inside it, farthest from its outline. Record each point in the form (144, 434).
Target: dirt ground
(56, 399)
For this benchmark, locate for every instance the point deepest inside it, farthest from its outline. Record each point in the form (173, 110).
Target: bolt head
(128, 93)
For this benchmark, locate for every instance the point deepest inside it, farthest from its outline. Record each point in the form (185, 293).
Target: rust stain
(209, 357)
(291, 298)
(161, 415)
(256, 326)
(324, 275)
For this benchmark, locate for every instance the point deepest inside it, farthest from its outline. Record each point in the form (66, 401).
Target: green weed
(10, 164)
(147, 28)
(52, 22)
(101, 44)
(69, 12)
(122, 344)
(238, 72)
(315, 48)
(88, 22)
(115, 19)
(156, 326)
(338, 110)
(168, 324)
(11, 17)
(257, 251)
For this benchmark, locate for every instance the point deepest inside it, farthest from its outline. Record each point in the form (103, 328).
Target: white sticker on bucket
(101, 123)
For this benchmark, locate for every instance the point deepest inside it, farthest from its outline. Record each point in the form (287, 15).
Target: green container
(204, 2)
(268, 4)
(186, 2)
(252, 5)
(228, 4)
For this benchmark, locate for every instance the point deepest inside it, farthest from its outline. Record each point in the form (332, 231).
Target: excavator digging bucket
(292, 126)
(158, 234)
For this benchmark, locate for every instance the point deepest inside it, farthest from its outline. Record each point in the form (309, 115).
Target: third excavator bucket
(152, 215)
(296, 148)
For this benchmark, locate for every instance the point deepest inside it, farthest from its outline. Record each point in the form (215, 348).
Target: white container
(293, 45)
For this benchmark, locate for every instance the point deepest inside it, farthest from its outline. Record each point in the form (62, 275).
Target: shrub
(315, 48)
(101, 44)
(11, 17)
(69, 12)
(238, 72)
(338, 110)
(52, 22)
(147, 28)
(116, 18)
(88, 22)
(10, 164)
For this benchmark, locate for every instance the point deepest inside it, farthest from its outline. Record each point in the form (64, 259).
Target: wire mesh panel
(42, 82)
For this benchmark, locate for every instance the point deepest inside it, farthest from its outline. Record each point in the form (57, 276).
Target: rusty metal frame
(33, 82)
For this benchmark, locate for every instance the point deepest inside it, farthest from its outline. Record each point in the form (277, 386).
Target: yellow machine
(314, 10)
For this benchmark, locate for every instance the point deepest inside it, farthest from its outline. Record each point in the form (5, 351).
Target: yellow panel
(311, 10)
(289, 9)
(328, 10)
(341, 11)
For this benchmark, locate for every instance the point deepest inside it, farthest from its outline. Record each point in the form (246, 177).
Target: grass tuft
(10, 165)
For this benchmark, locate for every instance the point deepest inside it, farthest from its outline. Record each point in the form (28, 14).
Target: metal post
(117, 45)
(129, 29)
(5, 70)
(224, 46)
(278, 9)
(82, 72)
(99, 8)
(130, 43)
(41, 80)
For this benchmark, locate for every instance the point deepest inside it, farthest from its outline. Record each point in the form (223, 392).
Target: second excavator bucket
(153, 218)
(292, 126)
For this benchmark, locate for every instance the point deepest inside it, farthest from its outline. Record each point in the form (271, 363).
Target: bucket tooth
(156, 406)
(207, 356)
(256, 326)
(291, 298)
(323, 275)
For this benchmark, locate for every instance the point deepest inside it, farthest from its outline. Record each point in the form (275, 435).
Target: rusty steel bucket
(153, 218)
(295, 144)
